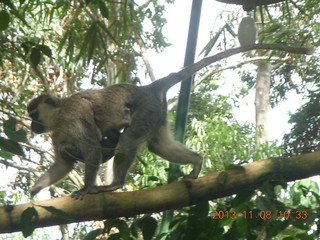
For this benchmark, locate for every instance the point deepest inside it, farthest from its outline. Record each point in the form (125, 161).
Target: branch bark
(171, 196)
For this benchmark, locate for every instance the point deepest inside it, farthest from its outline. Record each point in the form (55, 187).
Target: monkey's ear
(33, 104)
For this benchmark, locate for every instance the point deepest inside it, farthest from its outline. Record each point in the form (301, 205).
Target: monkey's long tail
(162, 85)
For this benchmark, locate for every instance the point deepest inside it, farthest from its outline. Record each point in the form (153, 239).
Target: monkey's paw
(190, 176)
(80, 193)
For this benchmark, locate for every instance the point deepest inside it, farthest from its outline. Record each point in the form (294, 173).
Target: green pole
(184, 98)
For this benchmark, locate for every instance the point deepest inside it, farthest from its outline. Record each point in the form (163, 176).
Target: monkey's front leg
(56, 172)
(91, 171)
(121, 165)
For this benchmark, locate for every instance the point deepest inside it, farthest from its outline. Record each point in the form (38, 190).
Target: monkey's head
(44, 113)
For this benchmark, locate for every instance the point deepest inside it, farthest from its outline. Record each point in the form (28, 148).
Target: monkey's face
(36, 124)
(43, 111)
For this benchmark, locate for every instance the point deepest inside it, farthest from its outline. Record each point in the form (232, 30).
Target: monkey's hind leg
(126, 152)
(163, 144)
(129, 145)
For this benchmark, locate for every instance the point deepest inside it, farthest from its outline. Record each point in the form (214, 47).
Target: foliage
(305, 133)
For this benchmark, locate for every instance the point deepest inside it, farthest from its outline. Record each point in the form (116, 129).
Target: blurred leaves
(10, 146)
(304, 136)
(4, 20)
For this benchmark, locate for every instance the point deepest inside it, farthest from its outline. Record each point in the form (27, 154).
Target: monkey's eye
(50, 101)
(30, 109)
(34, 115)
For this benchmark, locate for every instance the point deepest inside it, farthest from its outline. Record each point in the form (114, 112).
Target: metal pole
(184, 97)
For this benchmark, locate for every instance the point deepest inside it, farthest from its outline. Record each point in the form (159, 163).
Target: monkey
(95, 125)
(87, 127)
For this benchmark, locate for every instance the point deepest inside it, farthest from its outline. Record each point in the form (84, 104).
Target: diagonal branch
(171, 196)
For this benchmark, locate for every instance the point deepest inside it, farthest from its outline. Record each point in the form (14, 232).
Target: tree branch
(145, 59)
(239, 64)
(171, 196)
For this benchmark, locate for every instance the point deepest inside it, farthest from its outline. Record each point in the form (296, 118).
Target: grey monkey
(87, 127)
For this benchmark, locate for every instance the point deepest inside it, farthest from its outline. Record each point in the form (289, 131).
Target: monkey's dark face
(36, 124)
(41, 110)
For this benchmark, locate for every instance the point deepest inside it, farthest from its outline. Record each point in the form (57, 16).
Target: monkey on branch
(93, 126)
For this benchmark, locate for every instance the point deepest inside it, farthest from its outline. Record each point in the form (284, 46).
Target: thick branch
(171, 196)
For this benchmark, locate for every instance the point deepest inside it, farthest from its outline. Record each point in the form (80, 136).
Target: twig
(238, 64)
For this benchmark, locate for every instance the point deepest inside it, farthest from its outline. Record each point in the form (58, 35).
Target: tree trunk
(262, 100)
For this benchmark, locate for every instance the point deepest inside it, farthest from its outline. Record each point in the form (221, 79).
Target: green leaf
(88, 1)
(200, 210)
(14, 11)
(10, 130)
(134, 229)
(89, 43)
(45, 50)
(35, 56)
(230, 30)
(103, 9)
(4, 20)
(29, 221)
(8, 3)
(206, 50)
(11, 146)
(106, 30)
(222, 177)
(26, 47)
(5, 154)
(20, 136)
(264, 204)
(148, 226)
(94, 234)
(153, 178)
(10, 123)
(275, 227)
(242, 197)
(116, 236)
(242, 226)
(120, 224)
